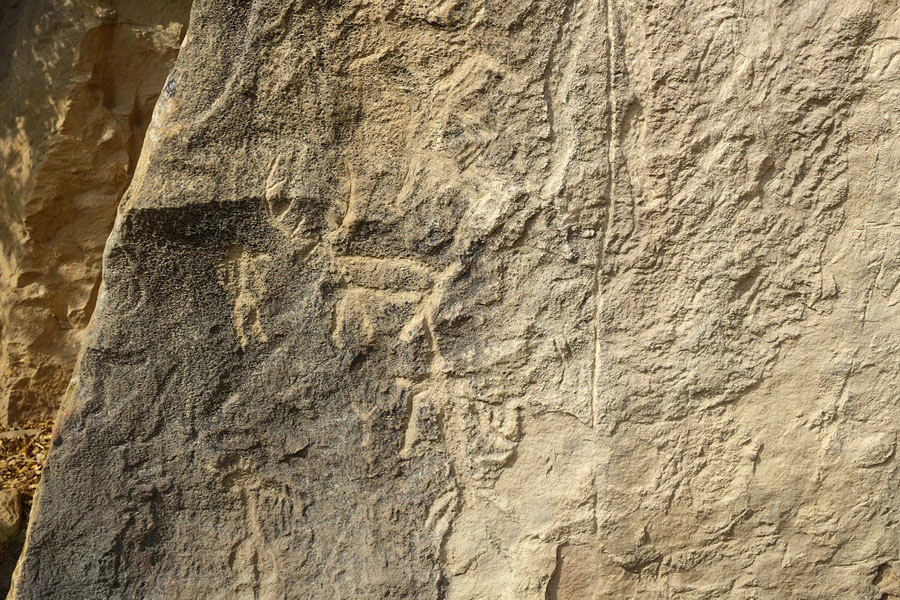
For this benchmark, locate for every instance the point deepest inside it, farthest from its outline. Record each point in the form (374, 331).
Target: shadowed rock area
(525, 300)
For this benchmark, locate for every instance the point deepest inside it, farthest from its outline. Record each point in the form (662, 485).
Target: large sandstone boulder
(79, 79)
(512, 300)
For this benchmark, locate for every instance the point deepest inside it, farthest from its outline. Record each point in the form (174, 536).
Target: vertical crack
(552, 590)
(608, 209)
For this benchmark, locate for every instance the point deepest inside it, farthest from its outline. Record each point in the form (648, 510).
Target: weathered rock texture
(79, 80)
(512, 300)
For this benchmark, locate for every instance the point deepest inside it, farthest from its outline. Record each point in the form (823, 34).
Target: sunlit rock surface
(79, 81)
(516, 300)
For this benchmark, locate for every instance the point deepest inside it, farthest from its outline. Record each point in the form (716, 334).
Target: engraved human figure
(241, 275)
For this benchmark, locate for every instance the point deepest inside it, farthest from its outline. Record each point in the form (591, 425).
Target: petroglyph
(525, 300)
(242, 273)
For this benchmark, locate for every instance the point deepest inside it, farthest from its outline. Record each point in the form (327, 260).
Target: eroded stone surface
(519, 300)
(80, 81)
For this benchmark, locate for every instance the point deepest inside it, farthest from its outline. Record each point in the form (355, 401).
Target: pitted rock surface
(520, 300)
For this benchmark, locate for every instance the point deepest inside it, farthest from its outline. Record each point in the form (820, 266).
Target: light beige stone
(497, 301)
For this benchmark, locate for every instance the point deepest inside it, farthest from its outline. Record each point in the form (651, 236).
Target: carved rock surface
(79, 80)
(514, 300)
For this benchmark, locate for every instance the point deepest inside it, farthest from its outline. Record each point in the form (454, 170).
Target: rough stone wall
(80, 80)
(518, 300)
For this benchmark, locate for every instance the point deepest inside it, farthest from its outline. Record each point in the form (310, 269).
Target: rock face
(516, 300)
(10, 514)
(80, 80)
